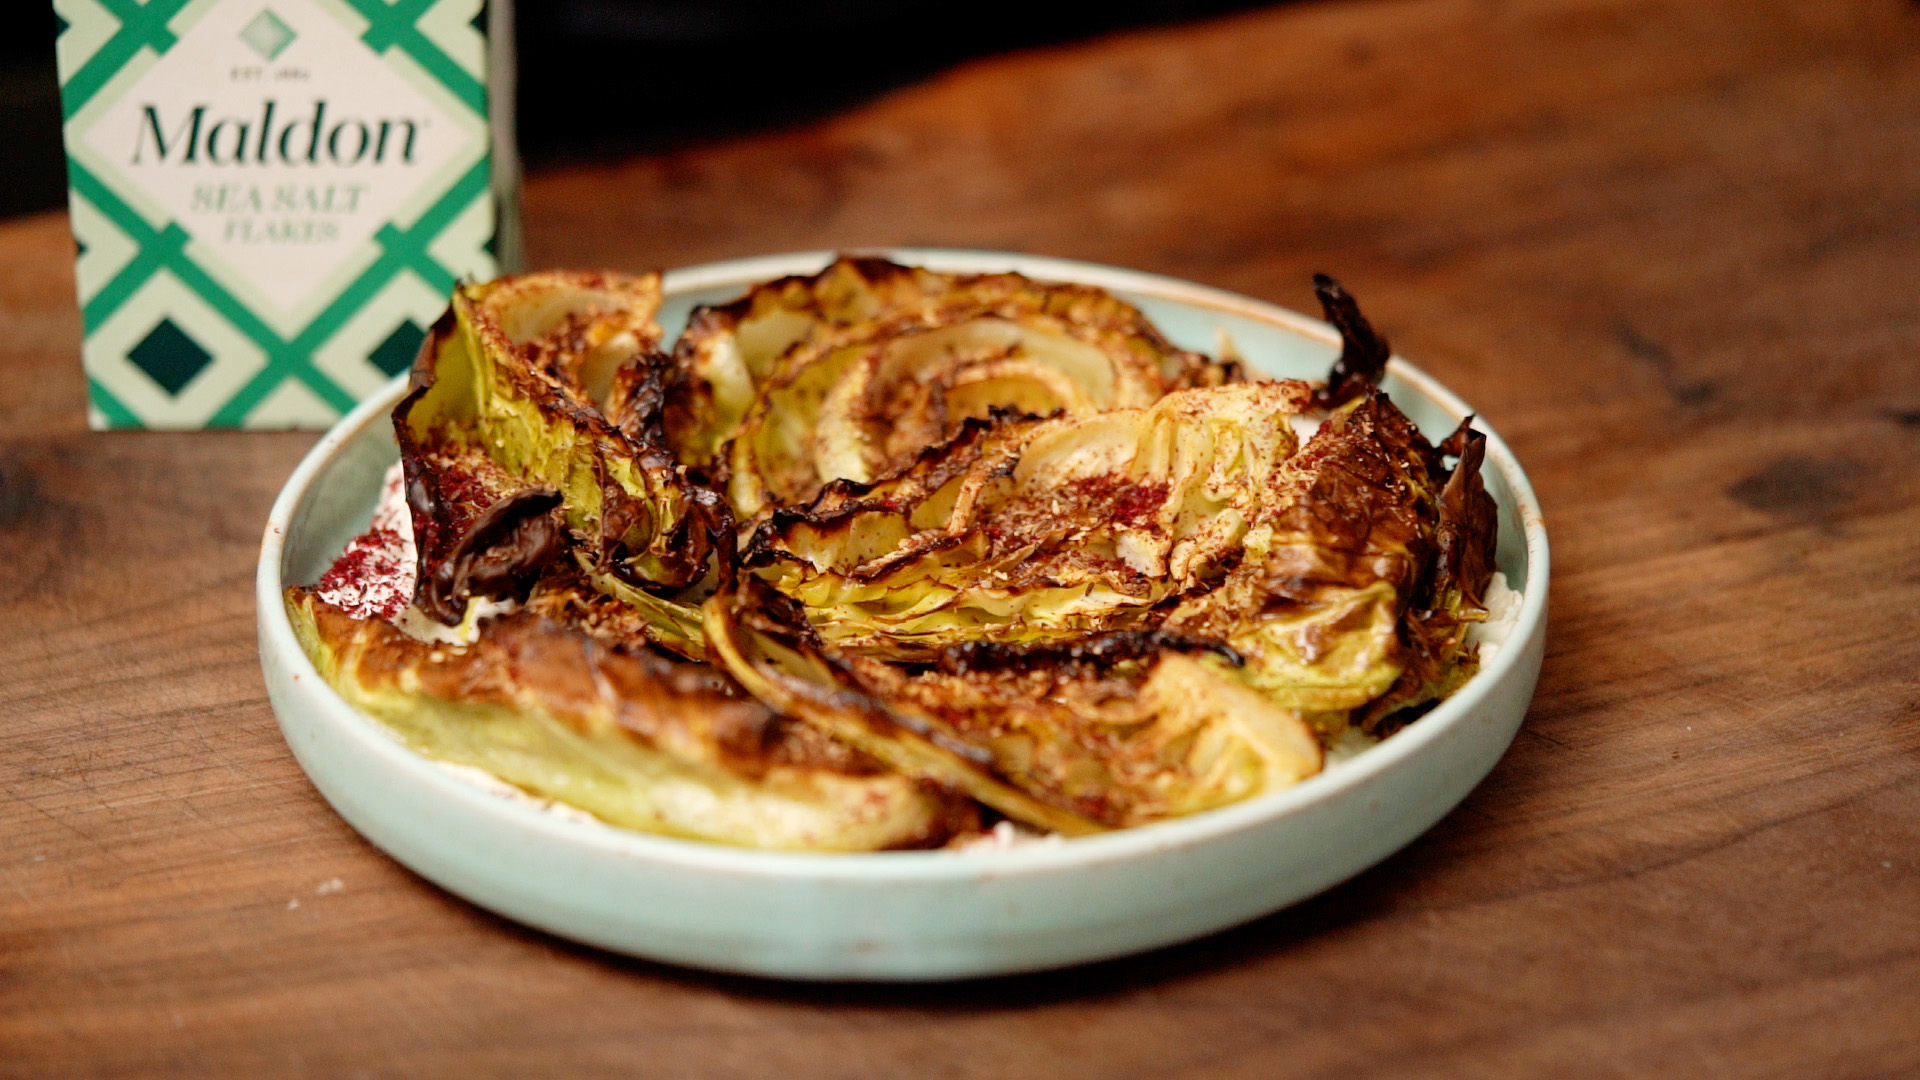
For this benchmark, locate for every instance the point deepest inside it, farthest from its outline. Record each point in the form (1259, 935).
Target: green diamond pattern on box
(268, 35)
(272, 198)
(169, 356)
(395, 354)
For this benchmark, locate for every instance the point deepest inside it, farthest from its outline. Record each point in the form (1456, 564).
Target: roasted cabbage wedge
(511, 459)
(1348, 547)
(945, 543)
(1109, 731)
(853, 372)
(637, 739)
(1037, 530)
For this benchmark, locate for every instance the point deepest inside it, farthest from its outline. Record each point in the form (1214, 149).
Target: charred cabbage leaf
(1110, 731)
(1348, 542)
(1363, 352)
(1031, 530)
(511, 459)
(850, 374)
(1449, 598)
(637, 739)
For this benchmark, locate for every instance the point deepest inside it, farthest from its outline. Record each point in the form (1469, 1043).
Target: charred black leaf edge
(1098, 651)
(500, 556)
(1363, 351)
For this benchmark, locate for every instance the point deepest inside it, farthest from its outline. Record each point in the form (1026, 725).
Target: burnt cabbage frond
(501, 555)
(1363, 352)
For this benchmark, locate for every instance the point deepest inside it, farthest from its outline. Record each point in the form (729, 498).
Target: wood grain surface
(1670, 249)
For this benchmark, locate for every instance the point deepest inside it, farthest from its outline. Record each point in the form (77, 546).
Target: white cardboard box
(271, 199)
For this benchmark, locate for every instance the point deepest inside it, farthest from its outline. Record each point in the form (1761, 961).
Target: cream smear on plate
(1503, 611)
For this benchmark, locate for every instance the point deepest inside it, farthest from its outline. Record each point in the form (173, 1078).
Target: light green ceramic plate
(901, 915)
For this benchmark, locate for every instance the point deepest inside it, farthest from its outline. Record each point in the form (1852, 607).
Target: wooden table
(1671, 250)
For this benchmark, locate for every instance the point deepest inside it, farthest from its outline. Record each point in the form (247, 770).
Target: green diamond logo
(396, 354)
(267, 34)
(170, 357)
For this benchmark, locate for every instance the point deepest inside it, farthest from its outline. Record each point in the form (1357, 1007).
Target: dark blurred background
(605, 78)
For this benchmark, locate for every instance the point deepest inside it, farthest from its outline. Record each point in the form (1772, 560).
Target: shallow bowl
(901, 915)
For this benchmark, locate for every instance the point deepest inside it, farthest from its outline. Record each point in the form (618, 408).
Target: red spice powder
(1123, 503)
(1137, 504)
(372, 578)
(461, 494)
